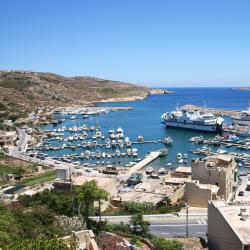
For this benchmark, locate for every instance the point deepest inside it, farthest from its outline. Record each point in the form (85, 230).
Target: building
(197, 194)
(8, 138)
(228, 226)
(216, 170)
(183, 170)
(84, 239)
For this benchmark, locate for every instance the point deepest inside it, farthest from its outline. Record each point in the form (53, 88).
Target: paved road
(169, 225)
(246, 196)
(177, 228)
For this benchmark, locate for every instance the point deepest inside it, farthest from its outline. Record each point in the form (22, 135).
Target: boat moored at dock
(183, 119)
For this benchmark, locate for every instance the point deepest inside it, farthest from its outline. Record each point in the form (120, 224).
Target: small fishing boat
(179, 156)
(149, 170)
(162, 171)
(119, 132)
(98, 134)
(163, 152)
(167, 141)
(140, 138)
(134, 152)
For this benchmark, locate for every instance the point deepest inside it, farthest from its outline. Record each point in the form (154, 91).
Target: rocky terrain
(23, 91)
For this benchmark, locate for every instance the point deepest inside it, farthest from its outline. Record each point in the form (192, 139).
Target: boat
(137, 159)
(134, 152)
(221, 151)
(243, 118)
(167, 141)
(183, 119)
(179, 156)
(92, 128)
(98, 134)
(98, 154)
(163, 152)
(118, 153)
(128, 143)
(149, 170)
(197, 139)
(140, 138)
(162, 171)
(169, 164)
(119, 132)
(184, 156)
(181, 161)
(113, 143)
(112, 133)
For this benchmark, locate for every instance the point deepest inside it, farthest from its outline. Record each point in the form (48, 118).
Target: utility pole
(72, 191)
(187, 206)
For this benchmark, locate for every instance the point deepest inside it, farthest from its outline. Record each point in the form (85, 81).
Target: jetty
(219, 112)
(138, 166)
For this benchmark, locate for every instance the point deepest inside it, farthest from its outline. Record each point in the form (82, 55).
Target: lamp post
(187, 206)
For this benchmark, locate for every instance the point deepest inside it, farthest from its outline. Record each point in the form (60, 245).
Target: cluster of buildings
(8, 138)
(213, 184)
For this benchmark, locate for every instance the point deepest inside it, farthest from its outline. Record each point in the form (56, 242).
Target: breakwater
(215, 111)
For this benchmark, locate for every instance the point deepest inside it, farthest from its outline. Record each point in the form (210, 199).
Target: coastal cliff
(24, 91)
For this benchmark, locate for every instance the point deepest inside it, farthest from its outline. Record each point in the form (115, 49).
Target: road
(169, 225)
(242, 187)
(19, 151)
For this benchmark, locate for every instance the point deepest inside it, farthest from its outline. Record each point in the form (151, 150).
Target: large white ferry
(206, 122)
(243, 118)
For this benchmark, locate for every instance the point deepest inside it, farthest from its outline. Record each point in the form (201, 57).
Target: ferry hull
(202, 128)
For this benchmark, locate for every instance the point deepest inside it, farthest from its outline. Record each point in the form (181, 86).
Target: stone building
(228, 226)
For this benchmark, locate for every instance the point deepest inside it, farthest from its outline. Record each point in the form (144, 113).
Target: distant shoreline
(245, 89)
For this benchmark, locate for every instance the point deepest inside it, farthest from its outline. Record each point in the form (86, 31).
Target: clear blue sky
(151, 42)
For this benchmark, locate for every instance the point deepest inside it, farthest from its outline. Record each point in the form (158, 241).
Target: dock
(215, 111)
(138, 166)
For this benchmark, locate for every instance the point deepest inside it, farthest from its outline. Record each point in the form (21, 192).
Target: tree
(9, 228)
(138, 225)
(86, 195)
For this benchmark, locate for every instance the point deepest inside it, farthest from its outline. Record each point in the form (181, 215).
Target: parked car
(241, 193)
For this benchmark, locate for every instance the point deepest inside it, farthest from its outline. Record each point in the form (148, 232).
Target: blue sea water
(145, 119)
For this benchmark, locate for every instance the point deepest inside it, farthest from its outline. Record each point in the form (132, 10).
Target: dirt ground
(192, 244)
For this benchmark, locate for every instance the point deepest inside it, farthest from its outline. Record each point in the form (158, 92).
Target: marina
(118, 139)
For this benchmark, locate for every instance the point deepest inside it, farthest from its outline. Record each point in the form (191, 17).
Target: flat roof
(213, 188)
(225, 157)
(232, 217)
(182, 169)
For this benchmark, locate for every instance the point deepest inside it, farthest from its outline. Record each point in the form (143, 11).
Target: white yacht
(119, 132)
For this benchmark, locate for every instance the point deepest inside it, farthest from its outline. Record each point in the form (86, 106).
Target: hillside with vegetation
(23, 91)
